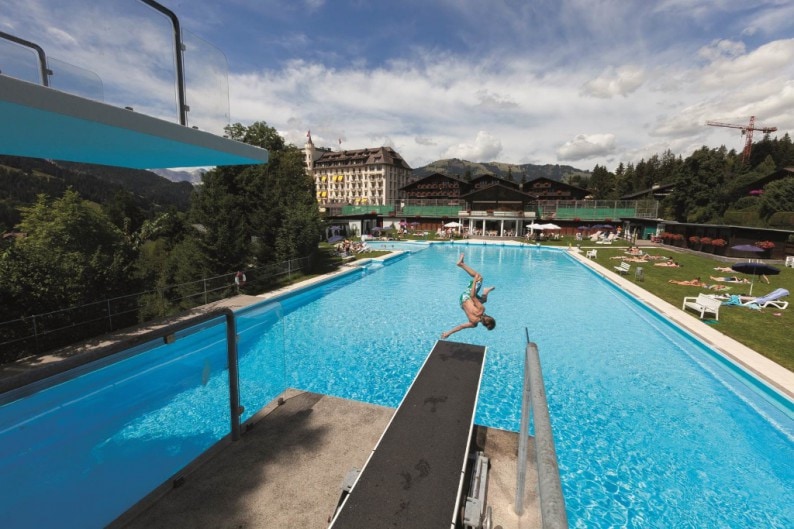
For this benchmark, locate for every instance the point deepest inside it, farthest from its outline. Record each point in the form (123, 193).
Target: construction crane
(747, 130)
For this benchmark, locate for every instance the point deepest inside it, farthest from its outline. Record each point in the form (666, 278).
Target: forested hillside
(23, 179)
(517, 173)
(104, 240)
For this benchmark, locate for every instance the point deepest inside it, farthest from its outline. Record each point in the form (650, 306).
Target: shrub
(694, 239)
(719, 242)
(705, 241)
(766, 245)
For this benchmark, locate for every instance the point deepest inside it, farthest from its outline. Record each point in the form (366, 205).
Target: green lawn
(767, 331)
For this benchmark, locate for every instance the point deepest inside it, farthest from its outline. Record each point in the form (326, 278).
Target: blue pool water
(652, 429)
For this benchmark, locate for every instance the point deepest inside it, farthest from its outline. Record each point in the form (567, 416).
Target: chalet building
(436, 187)
(371, 176)
(488, 180)
(547, 189)
(499, 198)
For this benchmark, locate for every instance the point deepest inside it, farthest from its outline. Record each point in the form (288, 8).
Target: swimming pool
(652, 429)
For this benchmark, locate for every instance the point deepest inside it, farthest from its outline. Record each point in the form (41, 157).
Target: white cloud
(615, 82)
(486, 148)
(720, 49)
(539, 74)
(770, 60)
(585, 146)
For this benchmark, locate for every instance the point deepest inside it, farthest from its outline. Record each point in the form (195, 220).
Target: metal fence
(38, 333)
(574, 210)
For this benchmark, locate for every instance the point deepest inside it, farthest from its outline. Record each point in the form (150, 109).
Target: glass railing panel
(124, 53)
(261, 351)
(207, 84)
(138, 59)
(19, 62)
(75, 80)
(140, 419)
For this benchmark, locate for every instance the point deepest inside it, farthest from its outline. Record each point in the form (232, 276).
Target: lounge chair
(609, 239)
(703, 303)
(770, 300)
(597, 235)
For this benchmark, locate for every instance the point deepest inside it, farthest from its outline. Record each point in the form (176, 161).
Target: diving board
(414, 476)
(41, 122)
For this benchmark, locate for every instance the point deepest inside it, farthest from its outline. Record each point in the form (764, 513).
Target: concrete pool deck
(287, 471)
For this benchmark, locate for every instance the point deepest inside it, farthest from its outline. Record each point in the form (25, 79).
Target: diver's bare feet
(460, 260)
(486, 291)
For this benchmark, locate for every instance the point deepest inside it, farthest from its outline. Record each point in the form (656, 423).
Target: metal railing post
(35, 334)
(234, 374)
(44, 71)
(179, 57)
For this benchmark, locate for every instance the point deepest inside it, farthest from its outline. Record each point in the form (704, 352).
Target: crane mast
(747, 131)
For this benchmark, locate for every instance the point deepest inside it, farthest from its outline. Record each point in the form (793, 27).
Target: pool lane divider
(415, 474)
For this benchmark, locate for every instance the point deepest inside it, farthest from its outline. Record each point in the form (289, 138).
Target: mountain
(194, 176)
(524, 172)
(23, 179)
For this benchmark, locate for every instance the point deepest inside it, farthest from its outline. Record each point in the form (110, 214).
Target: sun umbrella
(549, 226)
(755, 269)
(453, 225)
(532, 227)
(377, 228)
(747, 248)
(335, 238)
(583, 228)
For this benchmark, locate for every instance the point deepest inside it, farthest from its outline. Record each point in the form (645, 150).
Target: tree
(72, 254)
(259, 134)
(697, 196)
(253, 214)
(602, 183)
(778, 196)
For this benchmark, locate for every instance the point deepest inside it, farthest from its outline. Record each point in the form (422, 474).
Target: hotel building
(370, 176)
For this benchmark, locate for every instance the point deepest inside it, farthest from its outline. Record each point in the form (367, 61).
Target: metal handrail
(552, 502)
(273, 270)
(45, 72)
(179, 49)
(26, 381)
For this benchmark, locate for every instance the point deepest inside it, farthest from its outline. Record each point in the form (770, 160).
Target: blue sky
(575, 82)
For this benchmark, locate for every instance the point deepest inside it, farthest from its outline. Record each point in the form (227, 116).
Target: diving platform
(414, 476)
(41, 122)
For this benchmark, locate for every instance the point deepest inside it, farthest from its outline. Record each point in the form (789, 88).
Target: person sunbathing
(730, 279)
(718, 287)
(723, 269)
(692, 282)
(670, 264)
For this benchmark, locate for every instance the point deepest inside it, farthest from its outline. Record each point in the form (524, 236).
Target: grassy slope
(767, 331)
